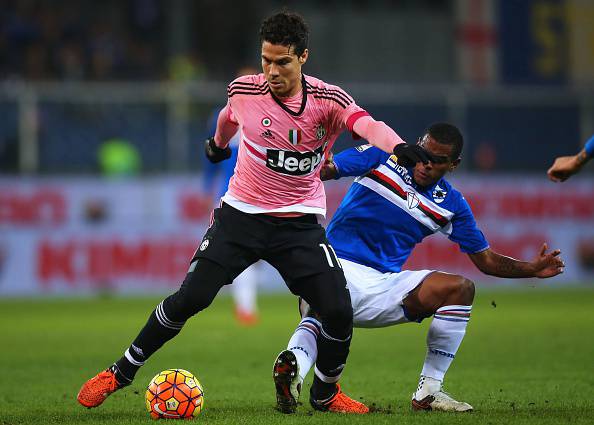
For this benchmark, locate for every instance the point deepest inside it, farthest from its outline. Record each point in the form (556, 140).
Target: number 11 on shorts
(330, 255)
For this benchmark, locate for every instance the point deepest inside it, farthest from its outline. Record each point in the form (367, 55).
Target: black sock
(122, 379)
(322, 391)
(157, 331)
(126, 367)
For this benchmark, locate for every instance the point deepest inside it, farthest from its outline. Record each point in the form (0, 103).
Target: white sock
(244, 290)
(304, 344)
(443, 339)
(427, 386)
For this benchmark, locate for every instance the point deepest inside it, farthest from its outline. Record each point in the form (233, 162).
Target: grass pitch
(527, 360)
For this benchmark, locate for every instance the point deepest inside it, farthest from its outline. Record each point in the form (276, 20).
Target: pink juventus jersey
(284, 143)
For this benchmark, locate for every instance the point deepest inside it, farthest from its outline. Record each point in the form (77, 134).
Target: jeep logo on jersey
(294, 163)
(412, 200)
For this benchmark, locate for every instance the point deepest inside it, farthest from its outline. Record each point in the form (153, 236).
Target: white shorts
(376, 296)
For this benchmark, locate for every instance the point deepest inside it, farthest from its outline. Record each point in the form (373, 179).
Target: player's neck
(294, 91)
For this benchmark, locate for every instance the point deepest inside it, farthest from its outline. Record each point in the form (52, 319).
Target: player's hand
(547, 264)
(409, 155)
(214, 153)
(564, 167)
(329, 170)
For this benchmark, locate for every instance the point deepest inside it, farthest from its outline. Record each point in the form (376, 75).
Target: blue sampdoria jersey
(385, 214)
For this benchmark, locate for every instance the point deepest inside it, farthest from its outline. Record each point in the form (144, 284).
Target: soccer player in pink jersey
(288, 123)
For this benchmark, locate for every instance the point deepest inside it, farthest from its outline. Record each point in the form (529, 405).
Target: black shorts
(296, 246)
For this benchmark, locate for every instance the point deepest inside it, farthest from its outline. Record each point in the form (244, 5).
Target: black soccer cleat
(285, 374)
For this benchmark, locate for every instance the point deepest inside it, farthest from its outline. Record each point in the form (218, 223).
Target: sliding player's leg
(449, 299)
(293, 364)
(304, 341)
(309, 266)
(376, 300)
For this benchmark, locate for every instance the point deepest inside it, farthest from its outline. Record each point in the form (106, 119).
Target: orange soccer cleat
(97, 389)
(340, 403)
(246, 318)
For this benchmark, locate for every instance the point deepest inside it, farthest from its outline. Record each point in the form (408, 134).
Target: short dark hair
(447, 134)
(285, 28)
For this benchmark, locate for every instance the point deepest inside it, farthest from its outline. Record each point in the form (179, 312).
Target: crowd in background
(72, 40)
(205, 40)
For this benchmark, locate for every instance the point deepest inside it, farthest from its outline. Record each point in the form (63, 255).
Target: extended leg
(199, 288)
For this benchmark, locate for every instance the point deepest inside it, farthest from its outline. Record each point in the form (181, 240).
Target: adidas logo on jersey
(294, 163)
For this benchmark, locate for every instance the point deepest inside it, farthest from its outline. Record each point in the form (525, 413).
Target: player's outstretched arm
(352, 162)
(544, 265)
(380, 135)
(566, 166)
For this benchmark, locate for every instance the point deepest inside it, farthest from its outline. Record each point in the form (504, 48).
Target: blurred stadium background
(78, 77)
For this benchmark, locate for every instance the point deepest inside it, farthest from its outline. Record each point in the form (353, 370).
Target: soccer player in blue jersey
(391, 207)
(566, 166)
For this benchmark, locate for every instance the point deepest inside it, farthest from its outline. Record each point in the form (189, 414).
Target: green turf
(527, 360)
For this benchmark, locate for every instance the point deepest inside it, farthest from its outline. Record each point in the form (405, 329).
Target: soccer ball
(174, 394)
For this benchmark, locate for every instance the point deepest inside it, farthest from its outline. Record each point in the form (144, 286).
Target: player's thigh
(326, 295)
(436, 290)
(234, 240)
(377, 297)
(201, 285)
(304, 258)
(301, 249)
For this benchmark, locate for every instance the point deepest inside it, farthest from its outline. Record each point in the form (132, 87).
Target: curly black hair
(286, 28)
(447, 134)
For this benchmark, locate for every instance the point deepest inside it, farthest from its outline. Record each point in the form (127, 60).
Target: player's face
(430, 173)
(282, 68)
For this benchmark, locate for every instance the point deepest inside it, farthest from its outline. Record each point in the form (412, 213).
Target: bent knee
(197, 291)
(184, 304)
(462, 289)
(338, 320)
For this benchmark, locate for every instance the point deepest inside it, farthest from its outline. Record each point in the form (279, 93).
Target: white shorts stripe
(335, 256)
(328, 258)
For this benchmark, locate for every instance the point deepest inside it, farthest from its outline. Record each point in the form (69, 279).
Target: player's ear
(303, 57)
(454, 164)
